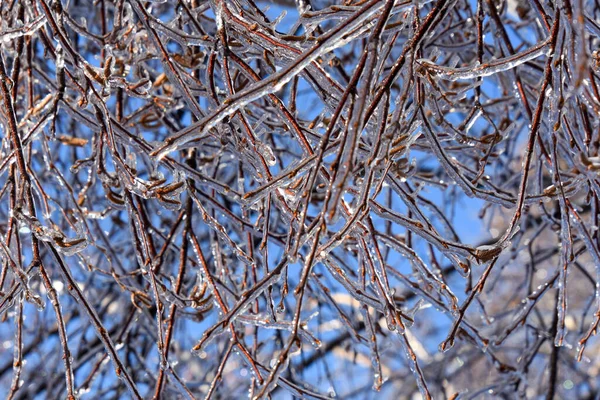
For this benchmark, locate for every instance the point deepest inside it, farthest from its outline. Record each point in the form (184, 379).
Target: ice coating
(309, 198)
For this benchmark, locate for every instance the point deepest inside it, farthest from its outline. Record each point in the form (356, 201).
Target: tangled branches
(232, 198)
